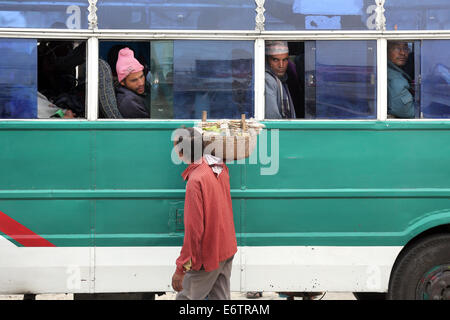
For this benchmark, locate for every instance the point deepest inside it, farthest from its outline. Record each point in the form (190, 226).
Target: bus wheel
(423, 272)
(370, 295)
(115, 296)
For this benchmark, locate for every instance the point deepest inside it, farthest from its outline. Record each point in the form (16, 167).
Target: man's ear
(123, 83)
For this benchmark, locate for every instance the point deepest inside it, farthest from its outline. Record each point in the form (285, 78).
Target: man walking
(204, 265)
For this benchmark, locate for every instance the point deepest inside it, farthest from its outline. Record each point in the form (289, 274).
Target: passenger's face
(135, 82)
(398, 54)
(279, 63)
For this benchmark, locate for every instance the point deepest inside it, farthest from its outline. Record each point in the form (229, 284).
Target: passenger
(400, 99)
(204, 266)
(279, 103)
(132, 94)
(47, 109)
(58, 62)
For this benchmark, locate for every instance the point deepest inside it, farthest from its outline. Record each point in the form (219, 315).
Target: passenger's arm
(272, 110)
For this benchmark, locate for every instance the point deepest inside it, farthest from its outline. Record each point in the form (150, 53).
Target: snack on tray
(230, 139)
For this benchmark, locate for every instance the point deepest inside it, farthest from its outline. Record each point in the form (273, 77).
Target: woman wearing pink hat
(132, 100)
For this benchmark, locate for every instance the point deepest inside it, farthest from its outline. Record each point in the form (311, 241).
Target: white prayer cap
(276, 47)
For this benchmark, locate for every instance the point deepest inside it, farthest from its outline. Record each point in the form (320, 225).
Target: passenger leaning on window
(132, 95)
(400, 98)
(278, 99)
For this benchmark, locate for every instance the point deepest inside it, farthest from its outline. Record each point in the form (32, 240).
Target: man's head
(277, 55)
(398, 52)
(188, 144)
(130, 72)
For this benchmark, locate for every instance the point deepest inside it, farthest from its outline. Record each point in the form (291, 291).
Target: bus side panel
(46, 246)
(141, 160)
(336, 156)
(318, 268)
(45, 159)
(138, 241)
(45, 270)
(109, 187)
(348, 220)
(33, 165)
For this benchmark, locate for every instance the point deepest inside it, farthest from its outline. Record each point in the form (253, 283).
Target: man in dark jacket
(400, 99)
(132, 99)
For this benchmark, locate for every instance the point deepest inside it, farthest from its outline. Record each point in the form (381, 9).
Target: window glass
(417, 14)
(435, 86)
(177, 14)
(320, 15)
(183, 78)
(18, 79)
(213, 75)
(161, 78)
(59, 14)
(340, 79)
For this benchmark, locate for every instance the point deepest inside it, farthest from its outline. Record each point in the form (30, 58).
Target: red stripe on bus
(21, 234)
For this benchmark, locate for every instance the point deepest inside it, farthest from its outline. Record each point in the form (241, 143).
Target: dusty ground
(171, 296)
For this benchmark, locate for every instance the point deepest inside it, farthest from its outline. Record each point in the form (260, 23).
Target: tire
(370, 295)
(423, 271)
(115, 296)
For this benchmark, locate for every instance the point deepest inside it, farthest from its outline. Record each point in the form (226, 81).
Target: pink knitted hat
(126, 64)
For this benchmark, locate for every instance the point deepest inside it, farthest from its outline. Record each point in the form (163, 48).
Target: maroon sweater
(209, 236)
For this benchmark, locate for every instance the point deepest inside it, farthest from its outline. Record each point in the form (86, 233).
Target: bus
(346, 197)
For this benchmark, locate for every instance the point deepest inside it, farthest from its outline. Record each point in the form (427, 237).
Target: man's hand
(177, 282)
(69, 114)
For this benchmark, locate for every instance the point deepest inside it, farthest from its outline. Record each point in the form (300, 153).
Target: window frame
(93, 36)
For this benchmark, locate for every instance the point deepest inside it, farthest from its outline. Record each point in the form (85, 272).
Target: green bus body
(340, 183)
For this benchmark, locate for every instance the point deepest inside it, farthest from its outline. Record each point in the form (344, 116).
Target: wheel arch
(422, 231)
(432, 223)
(438, 229)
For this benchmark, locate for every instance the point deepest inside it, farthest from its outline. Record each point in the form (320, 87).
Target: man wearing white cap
(132, 99)
(279, 103)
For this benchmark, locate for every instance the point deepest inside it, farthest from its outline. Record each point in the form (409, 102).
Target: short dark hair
(393, 43)
(189, 142)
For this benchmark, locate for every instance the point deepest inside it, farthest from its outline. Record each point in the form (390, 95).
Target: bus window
(176, 14)
(418, 79)
(61, 79)
(42, 79)
(55, 14)
(417, 15)
(435, 84)
(320, 15)
(333, 79)
(185, 77)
